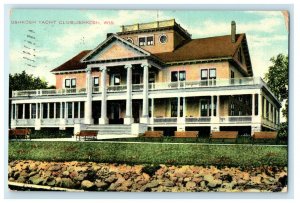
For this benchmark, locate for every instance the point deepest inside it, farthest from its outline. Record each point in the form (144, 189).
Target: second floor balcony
(181, 85)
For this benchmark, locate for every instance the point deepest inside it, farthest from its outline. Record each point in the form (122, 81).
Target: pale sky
(45, 34)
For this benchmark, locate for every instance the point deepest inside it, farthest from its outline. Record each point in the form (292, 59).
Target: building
(154, 76)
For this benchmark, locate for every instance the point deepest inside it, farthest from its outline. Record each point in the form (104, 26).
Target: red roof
(74, 63)
(205, 48)
(195, 49)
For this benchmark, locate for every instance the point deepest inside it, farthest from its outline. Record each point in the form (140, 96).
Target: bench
(224, 135)
(86, 134)
(154, 134)
(264, 136)
(19, 133)
(186, 134)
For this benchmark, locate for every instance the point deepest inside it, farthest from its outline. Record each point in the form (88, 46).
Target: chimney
(108, 35)
(233, 31)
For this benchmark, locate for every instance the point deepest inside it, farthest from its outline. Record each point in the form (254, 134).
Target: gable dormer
(155, 37)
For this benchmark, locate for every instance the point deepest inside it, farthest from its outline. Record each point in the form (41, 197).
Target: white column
(79, 105)
(48, 110)
(103, 119)
(88, 103)
(41, 111)
(54, 106)
(259, 105)
(128, 119)
(145, 117)
(23, 116)
(184, 107)
(66, 110)
(17, 111)
(152, 107)
(253, 105)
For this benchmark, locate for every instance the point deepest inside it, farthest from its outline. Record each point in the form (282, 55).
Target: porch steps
(111, 131)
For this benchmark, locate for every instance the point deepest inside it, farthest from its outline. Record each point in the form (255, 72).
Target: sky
(43, 39)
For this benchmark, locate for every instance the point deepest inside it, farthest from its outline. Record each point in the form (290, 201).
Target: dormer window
(146, 41)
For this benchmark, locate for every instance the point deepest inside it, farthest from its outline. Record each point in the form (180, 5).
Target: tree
(277, 79)
(24, 81)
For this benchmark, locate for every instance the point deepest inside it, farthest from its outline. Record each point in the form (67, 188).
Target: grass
(154, 153)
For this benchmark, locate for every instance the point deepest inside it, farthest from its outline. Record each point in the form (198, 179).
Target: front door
(115, 114)
(204, 107)
(136, 112)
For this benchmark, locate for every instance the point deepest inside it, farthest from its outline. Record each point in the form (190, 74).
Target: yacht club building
(154, 76)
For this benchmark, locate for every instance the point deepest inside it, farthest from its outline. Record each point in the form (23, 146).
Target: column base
(103, 121)
(255, 128)
(144, 120)
(37, 124)
(128, 120)
(88, 121)
(215, 128)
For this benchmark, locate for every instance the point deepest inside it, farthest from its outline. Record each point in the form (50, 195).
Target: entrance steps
(111, 131)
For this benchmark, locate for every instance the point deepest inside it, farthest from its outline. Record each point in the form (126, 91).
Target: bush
(51, 133)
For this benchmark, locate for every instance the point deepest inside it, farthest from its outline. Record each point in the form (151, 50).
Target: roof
(194, 49)
(203, 48)
(74, 63)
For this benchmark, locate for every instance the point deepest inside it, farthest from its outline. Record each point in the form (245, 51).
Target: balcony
(152, 87)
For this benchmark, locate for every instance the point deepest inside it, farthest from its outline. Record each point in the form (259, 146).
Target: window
(150, 40)
(73, 83)
(212, 73)
(57, 110)
(96, 82)
(116, 79)
(130, 40)
(182, 75)
(204, 74)
(33, 110)
(174, 106)
(163, 39)
(45, 110)
(70, 83)
(143, 41)
(174, 76)
(177, 75)
(69, 109)
(76, 109)
(51, 110)
(81, 109)
(204, 107)
(136, 78)
(151, 77)
(231, 74)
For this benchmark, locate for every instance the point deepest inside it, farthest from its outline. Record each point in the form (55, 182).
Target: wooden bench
(19, 133)
(87, 134)
(264, 136)
(154, 134)
(224, 135)
(186, 134)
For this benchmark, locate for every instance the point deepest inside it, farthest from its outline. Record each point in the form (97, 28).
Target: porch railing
(165, 120)
(198, 119)
(152, 87)
(235, 119)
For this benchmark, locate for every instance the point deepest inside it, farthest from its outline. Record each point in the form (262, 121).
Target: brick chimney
(233, 31)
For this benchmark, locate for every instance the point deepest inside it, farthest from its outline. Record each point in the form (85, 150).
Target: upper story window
(143, 41)
(163, 39)
(231, 74)
(178, 76)
(204, 74)
(116, 79)
(151, 77)
(70, 83)
(96, 82)
(130, 40)
(212, 73)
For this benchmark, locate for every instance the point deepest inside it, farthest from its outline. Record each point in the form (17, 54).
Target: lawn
(154, 153)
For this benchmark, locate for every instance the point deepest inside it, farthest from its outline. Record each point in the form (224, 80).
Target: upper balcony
(236, 82)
